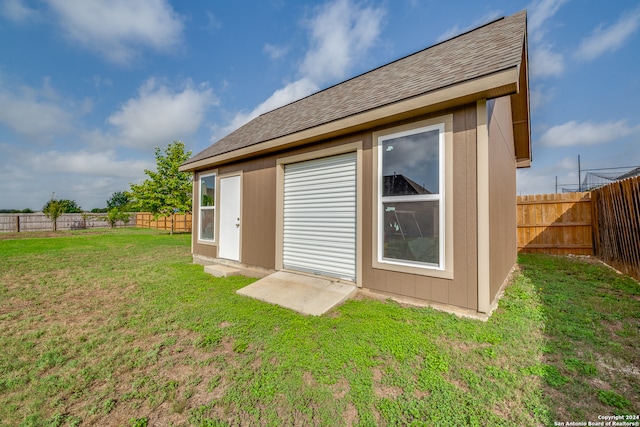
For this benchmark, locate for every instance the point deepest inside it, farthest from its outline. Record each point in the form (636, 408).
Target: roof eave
(502, 83)
(520, 112)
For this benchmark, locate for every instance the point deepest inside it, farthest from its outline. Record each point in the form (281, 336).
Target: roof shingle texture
(486, 50)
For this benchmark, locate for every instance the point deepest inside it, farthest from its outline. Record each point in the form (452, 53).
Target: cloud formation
(85, 176)
(603, 40)
(586, 133)
(88, 163)
(117, 29)
(340, 33)
(544, 62)
(19, 108)
(160, 114)
(17, 11)
(539, 13)
(274, 51)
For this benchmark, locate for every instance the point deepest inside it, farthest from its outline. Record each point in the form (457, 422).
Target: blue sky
(88, 89)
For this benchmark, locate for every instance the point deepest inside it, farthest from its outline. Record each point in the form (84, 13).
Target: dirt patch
(617, 367)
(166, 391)
(340, 389)
(350, 415)
(308, 379)
(384, 390)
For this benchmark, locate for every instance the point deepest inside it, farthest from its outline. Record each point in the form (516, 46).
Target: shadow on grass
(591, 355)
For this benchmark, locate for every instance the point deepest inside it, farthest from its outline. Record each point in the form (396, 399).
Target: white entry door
(229, 246)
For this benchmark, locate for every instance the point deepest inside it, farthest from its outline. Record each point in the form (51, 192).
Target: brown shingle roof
(483, 51)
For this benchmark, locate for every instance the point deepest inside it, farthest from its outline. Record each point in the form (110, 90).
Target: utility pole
(579, 175)
(556, 184)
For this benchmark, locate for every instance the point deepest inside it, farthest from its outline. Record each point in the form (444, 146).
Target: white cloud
(539, 96)
(275, 52)
(586, 133)
(159, 114)
(603, 40)
(18, 12)
(544, 62)
(291, 92)
(455, 30)
(117, 29)
(34, 113)
(213, 22)
(539, 13)
(341, 32)
(88, 177)
(87, 163)
(542, 180)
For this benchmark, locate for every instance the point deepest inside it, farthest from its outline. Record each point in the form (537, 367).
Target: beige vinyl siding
(502, 194)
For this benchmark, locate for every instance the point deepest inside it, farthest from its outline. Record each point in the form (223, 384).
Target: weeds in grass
(119, 328)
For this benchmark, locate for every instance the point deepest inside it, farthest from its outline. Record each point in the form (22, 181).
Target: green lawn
(119, 328)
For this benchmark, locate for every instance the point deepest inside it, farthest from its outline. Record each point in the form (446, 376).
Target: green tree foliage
(117, 207)
(26, 210)
(167, 190)
(68, 206)
(117, 214)
(53, 209)
(120, 200)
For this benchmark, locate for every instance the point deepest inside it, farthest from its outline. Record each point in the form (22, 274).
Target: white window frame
(213, 208)
(413, 198)
(445, 269)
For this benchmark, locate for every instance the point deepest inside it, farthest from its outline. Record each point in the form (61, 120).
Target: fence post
(17, 223)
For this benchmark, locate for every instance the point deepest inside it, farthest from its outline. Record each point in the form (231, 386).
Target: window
(207, 207)
(410, 197)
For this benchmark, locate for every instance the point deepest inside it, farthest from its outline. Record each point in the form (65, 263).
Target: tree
(117, 214)
(167, 190)
(117, 207)
(119, 199)
(53, 209)
(68, 206)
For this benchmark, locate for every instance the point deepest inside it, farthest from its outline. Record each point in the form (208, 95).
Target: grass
(119, 328)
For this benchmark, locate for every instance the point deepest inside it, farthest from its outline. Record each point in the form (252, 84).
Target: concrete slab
(221, 270)
(299, 292)
(238, 267)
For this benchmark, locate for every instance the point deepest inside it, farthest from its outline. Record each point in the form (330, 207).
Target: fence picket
(558, 224)
(617, 225)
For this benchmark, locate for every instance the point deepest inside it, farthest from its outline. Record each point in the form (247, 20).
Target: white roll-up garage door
(320, 216)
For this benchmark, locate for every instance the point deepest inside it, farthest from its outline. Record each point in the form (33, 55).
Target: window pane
(208, 191)
(206, 224)
(411, 231)
(410, 164)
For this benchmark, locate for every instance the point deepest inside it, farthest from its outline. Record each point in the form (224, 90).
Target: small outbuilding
(401, 181)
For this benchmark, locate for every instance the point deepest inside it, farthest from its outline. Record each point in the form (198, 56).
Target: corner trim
(484, 258)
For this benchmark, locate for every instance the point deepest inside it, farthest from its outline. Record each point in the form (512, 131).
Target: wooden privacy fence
(556, 224)
(616, 215)
(21, 222)
(181, 223)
